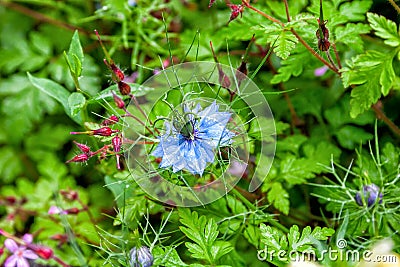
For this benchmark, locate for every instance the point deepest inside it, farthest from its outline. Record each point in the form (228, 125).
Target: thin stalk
(337, 55)
(328, 55)
(381, 115)
(393, 3)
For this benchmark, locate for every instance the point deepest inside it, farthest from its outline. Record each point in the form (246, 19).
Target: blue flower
(370, 193)
(141, 257)
(190, 140)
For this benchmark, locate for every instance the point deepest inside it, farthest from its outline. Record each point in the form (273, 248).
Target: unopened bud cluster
(106, 131)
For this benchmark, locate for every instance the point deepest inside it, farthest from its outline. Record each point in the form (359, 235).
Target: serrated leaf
(295, 240)
(384, 28)
(363, 97)
(279, 197)
(284, 44)
(271, 237)
(350, 35)
(283, 39)
(374, 71)
(297, 171)
(204, 233)
(76, 101)
(355, 10)
(292, 66)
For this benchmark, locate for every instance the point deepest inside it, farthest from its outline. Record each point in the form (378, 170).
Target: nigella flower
(191, 139)
(370, 194)
(141, 257)
(20, 253)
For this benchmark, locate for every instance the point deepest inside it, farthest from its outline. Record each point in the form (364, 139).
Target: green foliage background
(331, 136)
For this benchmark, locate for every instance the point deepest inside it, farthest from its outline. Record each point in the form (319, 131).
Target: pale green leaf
(76, 102)
(384, 28)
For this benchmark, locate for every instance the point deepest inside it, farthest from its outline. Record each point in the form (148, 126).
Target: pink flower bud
(117, 72)
(118, 101)
(10, 200)
(110, 121)
(104, 131)
(43, 252)
(79, 158)
(73, 211)
(84, 148)
(236, 10)
(70, 195)
(116, 142)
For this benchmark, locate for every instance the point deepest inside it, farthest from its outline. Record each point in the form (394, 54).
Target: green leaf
(204, 233)
(10, 166)
(350, 35)
(75, 47)
(76, 102)
(169, 258)
(75, 56)
(351, 137)
(384, 28)
(295, 240)
(374, 72)
(292, 66)
(296, 171)
(283, 39)
(279, 197)
(56, 91)
(355, 10)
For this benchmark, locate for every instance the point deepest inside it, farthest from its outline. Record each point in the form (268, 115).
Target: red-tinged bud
(118, 74)
(243, 68)
(110, 121)
(1, 251)
(211, 3)
(236, 10)
(224, 79)
(10, 200)
(84, 148)
(118, 101)
(79, 158)
(104, 131)
(124, 88)
(323, 42)
(70, 195)
(43, 252)
(241, 72)
(72, 211)
(116, 142)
